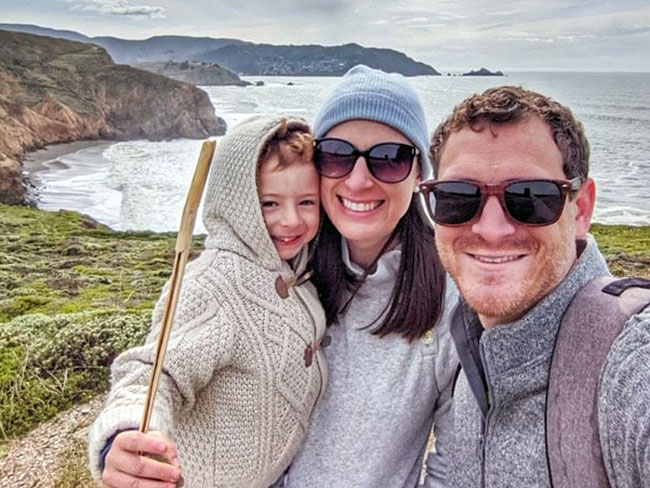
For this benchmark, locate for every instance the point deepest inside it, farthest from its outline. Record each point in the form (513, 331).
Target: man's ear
(584, 202)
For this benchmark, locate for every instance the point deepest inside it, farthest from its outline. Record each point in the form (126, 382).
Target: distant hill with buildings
(242, 57)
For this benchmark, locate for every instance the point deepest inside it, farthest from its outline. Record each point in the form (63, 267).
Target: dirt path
(53, 454)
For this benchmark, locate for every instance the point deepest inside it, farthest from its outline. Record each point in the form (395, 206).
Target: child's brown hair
(292, 143)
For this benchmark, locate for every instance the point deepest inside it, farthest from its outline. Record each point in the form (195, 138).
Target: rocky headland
(195, 72)
(55, 90)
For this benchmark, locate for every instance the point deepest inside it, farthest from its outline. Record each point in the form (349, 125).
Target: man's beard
(502, 296)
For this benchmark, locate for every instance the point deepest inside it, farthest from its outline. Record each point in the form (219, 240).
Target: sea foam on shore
(133, 185)
(142, 185)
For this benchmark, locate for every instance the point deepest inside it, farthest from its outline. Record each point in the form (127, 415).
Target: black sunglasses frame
(566, 188)
(356, 153)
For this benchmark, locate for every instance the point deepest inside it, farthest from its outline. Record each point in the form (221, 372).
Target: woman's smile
(360, 206)
(365, 210)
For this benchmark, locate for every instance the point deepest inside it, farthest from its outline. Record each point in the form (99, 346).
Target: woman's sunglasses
(388, 162)
(528, 202)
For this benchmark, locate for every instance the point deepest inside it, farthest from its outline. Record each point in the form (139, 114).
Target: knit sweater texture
(500, 435)
(236, 395)
(372, 426)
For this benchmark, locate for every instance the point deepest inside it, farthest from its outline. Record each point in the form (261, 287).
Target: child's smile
(290, 205)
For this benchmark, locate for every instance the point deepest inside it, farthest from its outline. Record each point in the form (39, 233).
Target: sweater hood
(232, 212)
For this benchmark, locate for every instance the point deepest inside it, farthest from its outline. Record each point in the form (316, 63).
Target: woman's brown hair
(417, 299)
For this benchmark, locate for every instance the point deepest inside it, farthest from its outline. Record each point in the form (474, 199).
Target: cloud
(139, 10)
(121, 7)
(448, 34)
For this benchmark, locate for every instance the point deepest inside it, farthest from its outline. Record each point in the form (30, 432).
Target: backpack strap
(589, 327)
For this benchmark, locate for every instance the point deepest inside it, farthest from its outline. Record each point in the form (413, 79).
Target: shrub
(49, 363)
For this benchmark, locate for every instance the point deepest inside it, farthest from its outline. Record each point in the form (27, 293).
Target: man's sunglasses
(389, 162)
(528, 202)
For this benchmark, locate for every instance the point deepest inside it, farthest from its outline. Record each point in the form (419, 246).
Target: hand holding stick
(183, 248)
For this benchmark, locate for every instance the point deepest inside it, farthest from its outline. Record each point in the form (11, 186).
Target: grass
(73, 294)
(50, 363)
(626, 248)
(65, 262)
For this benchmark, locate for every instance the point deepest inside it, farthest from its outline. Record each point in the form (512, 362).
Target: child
(244, 369)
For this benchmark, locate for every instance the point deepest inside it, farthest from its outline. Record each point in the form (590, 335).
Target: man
(512, 202)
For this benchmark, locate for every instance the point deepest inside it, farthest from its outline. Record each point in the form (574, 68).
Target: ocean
(141, 185)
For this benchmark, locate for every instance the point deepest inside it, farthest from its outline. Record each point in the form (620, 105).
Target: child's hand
(130, 463)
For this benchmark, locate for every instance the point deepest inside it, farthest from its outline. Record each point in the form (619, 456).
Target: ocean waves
(142, 185)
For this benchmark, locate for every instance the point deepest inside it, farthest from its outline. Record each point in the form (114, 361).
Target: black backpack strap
(617, 287)
(589, 327)
(459, 368)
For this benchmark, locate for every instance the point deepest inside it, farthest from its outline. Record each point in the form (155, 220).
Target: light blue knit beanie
(370, 94)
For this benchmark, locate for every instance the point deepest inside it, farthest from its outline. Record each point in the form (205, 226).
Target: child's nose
(290, 217)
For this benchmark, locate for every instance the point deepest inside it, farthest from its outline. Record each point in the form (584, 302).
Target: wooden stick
(183, 248)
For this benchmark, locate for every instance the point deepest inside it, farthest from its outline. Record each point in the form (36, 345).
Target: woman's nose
(360, 178)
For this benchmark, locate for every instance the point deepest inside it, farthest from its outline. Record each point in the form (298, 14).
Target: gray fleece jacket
(371, 428)
(499, 399)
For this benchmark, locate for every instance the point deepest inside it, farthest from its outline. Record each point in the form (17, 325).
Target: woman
(383, 289)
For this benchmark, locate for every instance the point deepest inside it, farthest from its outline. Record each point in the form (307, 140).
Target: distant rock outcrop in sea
(484, 72)
(246, 58)
(195, 72)
(55, 90)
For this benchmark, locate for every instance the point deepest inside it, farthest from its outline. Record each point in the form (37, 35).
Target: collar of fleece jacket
(232, 204)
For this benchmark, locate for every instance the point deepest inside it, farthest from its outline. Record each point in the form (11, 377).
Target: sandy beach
(35, 161)
(127, 185)
(66, 175)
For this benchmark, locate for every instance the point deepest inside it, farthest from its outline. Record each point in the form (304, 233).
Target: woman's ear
(418, 174)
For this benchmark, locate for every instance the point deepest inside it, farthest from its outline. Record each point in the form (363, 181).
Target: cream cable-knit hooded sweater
(236, 395)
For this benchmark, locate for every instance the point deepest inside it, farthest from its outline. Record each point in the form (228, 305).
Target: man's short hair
(511, 105)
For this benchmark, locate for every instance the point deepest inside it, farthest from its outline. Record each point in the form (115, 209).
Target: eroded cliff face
(53, 90)
(12, 189)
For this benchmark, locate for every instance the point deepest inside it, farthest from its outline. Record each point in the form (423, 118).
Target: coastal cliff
(55, 90)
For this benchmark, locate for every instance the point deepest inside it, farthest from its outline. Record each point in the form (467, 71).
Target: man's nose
(493, 224)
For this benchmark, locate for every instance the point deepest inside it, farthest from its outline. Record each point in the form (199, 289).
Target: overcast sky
(588, 35)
